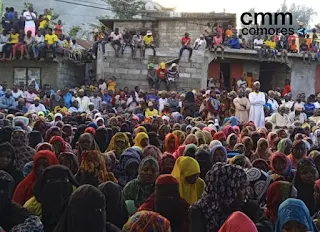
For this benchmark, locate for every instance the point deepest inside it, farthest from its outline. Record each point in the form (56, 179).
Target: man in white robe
(257, 100)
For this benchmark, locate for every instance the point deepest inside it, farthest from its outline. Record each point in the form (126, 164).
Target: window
(25, 75)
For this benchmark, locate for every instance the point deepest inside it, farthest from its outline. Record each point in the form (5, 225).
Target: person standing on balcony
(185, 42)
(116, 41)
(208, 34)
(30, 18)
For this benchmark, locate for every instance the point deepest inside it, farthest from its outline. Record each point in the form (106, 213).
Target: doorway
(225, 75)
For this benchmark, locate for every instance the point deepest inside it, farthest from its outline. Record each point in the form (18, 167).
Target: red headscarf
(219, 136)
(167, 163)
(176, 142)
(239, 222)
(23, 191)
(61, 140)
(90, 130)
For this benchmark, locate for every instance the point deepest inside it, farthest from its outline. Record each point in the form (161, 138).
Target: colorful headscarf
(143, 221)
(190, 150)
(213, 151)
(167, 163)
(283, 145)
(277, 193)
(223, 183)
(191, 139)
(153, 151)
(58, 139)
(294, 210)
(120, 136)
(286, 171)
(259, 182)
(181, 136)
(188, 166)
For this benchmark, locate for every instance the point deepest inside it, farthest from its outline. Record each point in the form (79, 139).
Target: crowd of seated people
(33, 35)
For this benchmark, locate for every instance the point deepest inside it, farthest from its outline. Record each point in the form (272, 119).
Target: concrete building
(168, 31)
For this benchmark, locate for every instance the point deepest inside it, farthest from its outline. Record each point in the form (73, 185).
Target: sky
(238, 7)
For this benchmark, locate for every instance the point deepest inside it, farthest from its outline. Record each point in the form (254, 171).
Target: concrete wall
(56, 75)
(132, 72)
(303, 78)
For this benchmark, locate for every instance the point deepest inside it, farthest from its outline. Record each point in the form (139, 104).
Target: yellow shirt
(147, 40)
(149, 113)
(112, 86)
(272, 45)
(58, 109)
(14, 38)
(51, 39)
(44, 23)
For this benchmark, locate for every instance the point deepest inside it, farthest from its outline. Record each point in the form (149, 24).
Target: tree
(126, 9)
(74, 30)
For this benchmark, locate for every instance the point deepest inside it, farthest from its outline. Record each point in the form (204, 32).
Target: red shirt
(186, 41)
(162, 73)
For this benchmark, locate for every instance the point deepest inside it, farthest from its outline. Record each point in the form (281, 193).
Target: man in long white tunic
(257, 100)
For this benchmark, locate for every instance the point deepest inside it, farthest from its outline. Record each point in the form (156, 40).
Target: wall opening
(273, 75)
(225, 75)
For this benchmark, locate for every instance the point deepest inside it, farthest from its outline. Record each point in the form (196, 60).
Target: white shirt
(257, 43)
(317, 105)
(39, 39)
(37, 109)
(288, 104)
(274, 105)
(200, 44)
(162, 102)
(116, 37)
(29, 20)
(73, 109)
(17, 95)
(102, 87)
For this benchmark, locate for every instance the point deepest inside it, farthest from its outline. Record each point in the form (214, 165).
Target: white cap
(149, 33)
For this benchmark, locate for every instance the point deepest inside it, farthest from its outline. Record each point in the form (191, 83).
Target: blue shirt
(67, 99)
(234, 43)
(107, 99)
(309, 108)
(6, 103)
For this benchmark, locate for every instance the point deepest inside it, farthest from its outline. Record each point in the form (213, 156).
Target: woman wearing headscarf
(224, 194)
(153, 139)
(70, 161)
(141, 140)
(220, 136)
(285, 146)
(166, 163)
(315, 156)
(35, 138)
(40, 125)
(262, 151)
(86, 143)
(201, 137)
(219, 154)
(85, 212)
(293, 214)
(138, 130)
(12, 216)
(23, 152)
(5, 134)
(299, 151)
(52, 131)
(214, 144)
(118, 144)
(51, 192)
(153, 151)
(7, 162)
(281, 165)
(257, 177)
(190, 150)
(187, 170)
(304, 180)
(41, 161)
(144, 221)
(231, 141)
(67, 133)
(181, 136)
(127, 169)
(238, 222)
(116, 212)
(240, 148)
(58, 145)
(204, 159)
(191, 139)
(102, 138)
(167, 202)
(242, 161)
(277, 193)
(92, 169)
(80, 130)
(171, 143)
(138, 190)
(248, 143)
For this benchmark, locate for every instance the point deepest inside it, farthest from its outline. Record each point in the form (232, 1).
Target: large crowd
(99, 158)
(34, 35)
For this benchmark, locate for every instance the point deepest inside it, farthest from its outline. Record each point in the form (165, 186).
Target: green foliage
(126, 9)
(74, 30)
